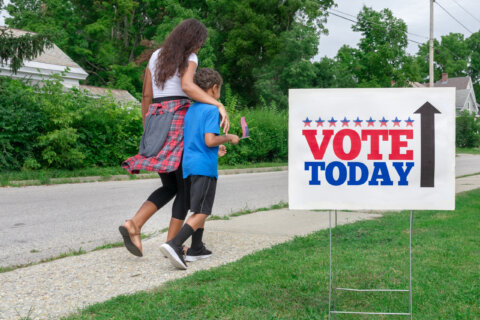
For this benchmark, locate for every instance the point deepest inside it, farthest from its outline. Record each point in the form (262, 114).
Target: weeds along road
(43, 221)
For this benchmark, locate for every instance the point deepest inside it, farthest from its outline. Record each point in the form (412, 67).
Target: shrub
(268, 140)
(21, 123)
(43, 127)
(467, 130)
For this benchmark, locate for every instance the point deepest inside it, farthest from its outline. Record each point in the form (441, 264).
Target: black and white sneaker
(194, 255)
(175, 255)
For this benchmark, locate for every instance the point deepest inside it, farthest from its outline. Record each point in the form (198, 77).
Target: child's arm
(213, 140)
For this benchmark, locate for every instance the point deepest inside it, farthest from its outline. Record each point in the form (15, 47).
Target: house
(55, 61)
(464, 94)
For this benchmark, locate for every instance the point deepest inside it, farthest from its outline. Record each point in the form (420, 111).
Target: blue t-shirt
(198, 158)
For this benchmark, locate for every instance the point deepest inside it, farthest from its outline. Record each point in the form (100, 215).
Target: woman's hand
(225, 123)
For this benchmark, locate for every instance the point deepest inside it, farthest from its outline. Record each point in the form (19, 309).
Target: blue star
(370, 122)
(345, 122)
(307, 122)
(319, 122)
(358, 122)
(409, 122)
(332, 122)
(383, 122)
(396, 122)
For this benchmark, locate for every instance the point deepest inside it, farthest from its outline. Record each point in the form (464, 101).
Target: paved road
(60, 218)
(467, 164)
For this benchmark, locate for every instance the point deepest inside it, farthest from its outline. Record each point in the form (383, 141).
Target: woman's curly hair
(186, 38)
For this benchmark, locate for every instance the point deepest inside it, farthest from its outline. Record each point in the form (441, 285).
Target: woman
(169, 82)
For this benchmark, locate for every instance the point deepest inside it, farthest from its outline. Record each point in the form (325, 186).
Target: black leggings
(172, 184)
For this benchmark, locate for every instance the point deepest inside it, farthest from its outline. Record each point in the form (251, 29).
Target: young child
(200, 159)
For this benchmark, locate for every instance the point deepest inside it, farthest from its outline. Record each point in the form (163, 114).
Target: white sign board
(380, 149)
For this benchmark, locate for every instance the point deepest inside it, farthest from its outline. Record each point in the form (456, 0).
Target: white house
(464, 94)
(55, 61)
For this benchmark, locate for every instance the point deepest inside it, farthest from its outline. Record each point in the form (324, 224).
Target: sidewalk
(57, 288)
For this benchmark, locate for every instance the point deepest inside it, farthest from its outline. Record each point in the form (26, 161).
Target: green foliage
(467, 131)
(44, 127)
(268, 128)
(21, 122)
(246, 38)
(381, 51)
(15, 50)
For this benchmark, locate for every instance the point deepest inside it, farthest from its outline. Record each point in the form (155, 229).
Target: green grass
(70, 253)
(45, 176)
(468, 150)
(290, 281)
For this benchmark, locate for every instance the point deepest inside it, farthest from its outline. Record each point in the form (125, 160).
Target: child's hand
(234, 139)
(222, 150)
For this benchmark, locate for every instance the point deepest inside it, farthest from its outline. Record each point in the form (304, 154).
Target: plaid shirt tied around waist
(169, 157)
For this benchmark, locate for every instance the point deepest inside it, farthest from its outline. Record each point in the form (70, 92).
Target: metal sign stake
(332, 294)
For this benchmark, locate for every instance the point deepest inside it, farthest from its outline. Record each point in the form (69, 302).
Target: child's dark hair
(206, 78)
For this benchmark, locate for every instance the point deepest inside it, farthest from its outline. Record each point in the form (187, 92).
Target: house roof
(122, 96)
(460, 83)
(53, 55)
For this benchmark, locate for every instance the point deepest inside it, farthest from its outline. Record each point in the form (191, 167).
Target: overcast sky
(414, 12)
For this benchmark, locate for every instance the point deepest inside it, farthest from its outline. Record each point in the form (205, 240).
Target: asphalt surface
(44, 221)
(39, 222)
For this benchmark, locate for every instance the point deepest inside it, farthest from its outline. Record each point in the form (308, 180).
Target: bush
(44, 127)
(21, 123)
(268, 128)
(467, 131)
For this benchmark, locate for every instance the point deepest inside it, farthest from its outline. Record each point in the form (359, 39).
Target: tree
(16, 49)
(112, 39)
(473, 44)
(381, 51)
(451, 56)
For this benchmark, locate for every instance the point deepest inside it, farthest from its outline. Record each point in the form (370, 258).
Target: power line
(351, 15)
(356, 21)
(443, 47)
(471, 15)
(438, 4)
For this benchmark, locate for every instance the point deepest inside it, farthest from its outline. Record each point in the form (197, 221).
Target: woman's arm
(194, 92)
(147, 93)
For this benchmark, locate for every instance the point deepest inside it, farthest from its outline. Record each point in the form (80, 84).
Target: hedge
(43, 126)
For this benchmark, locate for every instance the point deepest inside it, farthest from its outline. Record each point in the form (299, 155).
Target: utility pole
(431, 44)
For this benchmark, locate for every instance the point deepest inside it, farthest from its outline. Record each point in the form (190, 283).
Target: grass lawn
(45, 175)
(290, 281)
(468, 150)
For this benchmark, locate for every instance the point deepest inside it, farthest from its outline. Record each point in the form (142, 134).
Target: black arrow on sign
(427, 167)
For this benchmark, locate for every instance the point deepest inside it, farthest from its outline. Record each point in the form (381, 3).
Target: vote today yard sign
(382, 149)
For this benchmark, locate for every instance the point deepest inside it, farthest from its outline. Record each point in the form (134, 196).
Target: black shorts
(202, 193)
